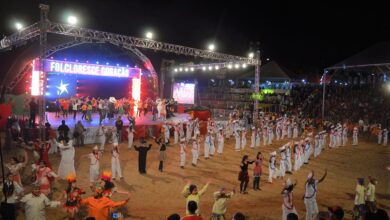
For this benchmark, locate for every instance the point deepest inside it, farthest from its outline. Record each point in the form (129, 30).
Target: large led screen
(184, 93)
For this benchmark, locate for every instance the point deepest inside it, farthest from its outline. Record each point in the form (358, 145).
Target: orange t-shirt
(99, 208)
(84, 107)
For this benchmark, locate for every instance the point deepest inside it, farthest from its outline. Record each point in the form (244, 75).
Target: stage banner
(19, 103)
(5, 112)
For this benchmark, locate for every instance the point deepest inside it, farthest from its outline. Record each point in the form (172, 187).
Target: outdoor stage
(144, 125)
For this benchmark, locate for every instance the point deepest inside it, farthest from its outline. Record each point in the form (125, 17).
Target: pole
(44, 25)
(257, 86)
(323, 95)
(2, 170)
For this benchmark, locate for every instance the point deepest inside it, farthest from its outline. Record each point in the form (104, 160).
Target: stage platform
(143, 120)
(144, 125)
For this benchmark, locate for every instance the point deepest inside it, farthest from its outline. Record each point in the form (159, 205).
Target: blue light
(47, 93)
(97, 62)
(107, 63)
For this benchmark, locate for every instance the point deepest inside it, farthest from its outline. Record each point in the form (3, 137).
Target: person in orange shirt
(84, 111)
(99, 206)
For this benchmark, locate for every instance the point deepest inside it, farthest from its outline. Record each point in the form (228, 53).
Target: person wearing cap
(220, 203)
(278, 132)
(99, 205)
(130, 136)
(355, 136)
(236, 133)
(212, 140)
(207, 145)
(162, 156)
(310, 197)
(183, 151)
(370, 194)
(220, 140)
(332, 137)
(115, 162)
(176, 133)
(190, 127)
(195, 151)
(359, 208)
(166, 132)
(94, 164)
(142, 153)
(191, 193)
(265, 135)
(288, 158)
(270, 134)
(35, 204)
(345, 135)
(287, 193)
(385, 136)
(253, 137)
(297, 156)
(307, 150)
(67, 159)
(295, 130)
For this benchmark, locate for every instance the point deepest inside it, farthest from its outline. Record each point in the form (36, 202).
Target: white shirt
(35, 206)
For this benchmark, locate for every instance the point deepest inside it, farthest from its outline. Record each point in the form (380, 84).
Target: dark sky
(299, 35)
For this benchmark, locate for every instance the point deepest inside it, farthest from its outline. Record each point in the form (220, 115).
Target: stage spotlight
(186, 69)
(211, 47)
(18, 26)
(72, 20)
(251, 55)
(175, 70)
(244, 65)
(204, 68)
(149, 35)
(210, 67)
(192, 69)
(267, 59)
(237, 66)
(180, 69)
(216, 67)
(229, 66)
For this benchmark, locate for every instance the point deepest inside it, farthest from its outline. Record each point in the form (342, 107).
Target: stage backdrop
(183, 93)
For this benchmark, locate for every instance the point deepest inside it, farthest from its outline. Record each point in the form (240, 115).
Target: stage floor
(143, 120)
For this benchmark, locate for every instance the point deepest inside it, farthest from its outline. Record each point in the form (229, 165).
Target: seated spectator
(192, 207)
(336, 213)
(174, 217)
(292, 216)
(238, 216)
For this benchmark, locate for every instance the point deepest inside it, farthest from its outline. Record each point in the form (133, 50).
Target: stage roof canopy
(377, 55)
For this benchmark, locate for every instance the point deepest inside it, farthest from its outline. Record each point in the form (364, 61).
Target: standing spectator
(11, 189)
(192, 206)
(359, 209)
(220, 199)
(79, 133)
(63, 131)
(33, 112)
(74, 108)
(142, 153)
(119, 126)
(36, 203)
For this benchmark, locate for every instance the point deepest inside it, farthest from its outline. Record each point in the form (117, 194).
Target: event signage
(66, 67)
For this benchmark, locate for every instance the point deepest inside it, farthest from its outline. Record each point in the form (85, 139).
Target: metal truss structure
(83, 35)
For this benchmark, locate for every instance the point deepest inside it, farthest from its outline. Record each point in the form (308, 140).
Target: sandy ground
(157, 195)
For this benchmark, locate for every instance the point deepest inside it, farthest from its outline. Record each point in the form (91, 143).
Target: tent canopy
(374, 56)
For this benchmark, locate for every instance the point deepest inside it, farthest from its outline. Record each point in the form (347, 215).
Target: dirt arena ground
(157, 195)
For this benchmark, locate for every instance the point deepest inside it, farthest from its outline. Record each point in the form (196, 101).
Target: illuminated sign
(36, 79)
(66, 67)
(261, 95)
(184, 93)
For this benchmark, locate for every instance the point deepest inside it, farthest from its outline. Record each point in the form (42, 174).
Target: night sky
(303, 36)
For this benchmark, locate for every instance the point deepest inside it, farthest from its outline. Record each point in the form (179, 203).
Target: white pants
(282, 168)
(237, 147)
(379, 139)
(277, 135)
(116, 167)
(296, 163)
(311, 209)
(220, 147)
(385, 141)
(94, 172)
(355, 140)
(243, 143)
(258, 141)
(253, 140)
(182, 159)
(265, 140)
(345, 140)
(288, 164)
(212, 148)
(269, 139)
(130, 141)
(102, 141)
(272, 174)
(175, 137)
(206, 150)
(195, 155)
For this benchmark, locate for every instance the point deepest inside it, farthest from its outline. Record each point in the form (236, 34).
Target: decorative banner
(58, 66)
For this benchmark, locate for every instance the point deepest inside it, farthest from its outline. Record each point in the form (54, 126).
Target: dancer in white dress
(67, 159)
